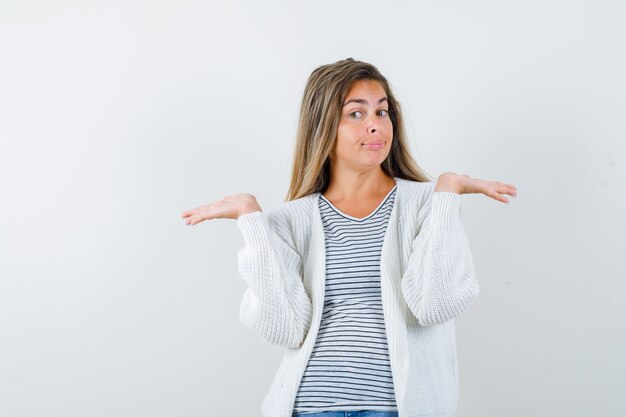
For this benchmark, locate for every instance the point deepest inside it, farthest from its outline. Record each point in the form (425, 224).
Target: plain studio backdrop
(117, 116)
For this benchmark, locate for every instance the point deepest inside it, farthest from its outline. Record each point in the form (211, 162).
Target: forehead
(365, 86)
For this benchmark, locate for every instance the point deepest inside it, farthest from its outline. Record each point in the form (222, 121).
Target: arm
(275, 305)
(439, 282)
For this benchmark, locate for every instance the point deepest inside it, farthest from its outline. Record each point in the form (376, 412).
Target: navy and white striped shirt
(349, 366)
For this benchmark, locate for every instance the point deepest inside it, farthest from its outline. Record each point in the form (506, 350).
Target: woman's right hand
(230, 207)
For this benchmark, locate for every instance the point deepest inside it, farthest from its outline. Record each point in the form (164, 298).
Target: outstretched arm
(275, 305)
(439, 282)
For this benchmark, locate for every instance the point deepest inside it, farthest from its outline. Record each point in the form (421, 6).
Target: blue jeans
(349, 414)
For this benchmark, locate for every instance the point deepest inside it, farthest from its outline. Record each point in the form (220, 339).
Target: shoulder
(300, 206)
(294, 214)
(414, 199)
(415, 192)
(292, 221)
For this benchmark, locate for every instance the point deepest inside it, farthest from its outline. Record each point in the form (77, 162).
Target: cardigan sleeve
(275, 305)
(439, 282)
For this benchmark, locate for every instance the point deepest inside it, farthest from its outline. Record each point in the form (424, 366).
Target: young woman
(362, 271)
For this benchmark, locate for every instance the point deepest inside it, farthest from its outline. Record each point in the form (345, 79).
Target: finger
(507, 190)
(504, 184)
(498, 197)
(191, 212)
(513, 191)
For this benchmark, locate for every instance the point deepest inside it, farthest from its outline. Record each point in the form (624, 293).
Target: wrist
(448, 183)
(248, 210)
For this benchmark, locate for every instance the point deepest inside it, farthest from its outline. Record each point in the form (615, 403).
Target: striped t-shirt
(349, 366)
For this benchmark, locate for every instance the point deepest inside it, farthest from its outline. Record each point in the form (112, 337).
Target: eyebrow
(362, 101)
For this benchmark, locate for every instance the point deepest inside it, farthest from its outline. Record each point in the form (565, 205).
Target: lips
(375, 145)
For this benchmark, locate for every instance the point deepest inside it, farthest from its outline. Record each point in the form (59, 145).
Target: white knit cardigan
(427, 280)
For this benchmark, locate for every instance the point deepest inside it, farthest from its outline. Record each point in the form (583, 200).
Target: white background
(117, 116)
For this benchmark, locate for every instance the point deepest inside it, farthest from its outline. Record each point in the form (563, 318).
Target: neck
(350, 185)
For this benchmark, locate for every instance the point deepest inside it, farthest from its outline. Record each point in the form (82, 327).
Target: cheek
(345, 135)
(389, 131)
(389, 125)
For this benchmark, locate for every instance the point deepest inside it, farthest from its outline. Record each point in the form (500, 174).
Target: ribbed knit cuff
(254, 228)
(446, 208)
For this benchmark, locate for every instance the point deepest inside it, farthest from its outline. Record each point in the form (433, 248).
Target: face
(365, 130)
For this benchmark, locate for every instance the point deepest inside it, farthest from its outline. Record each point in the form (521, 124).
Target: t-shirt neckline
(383, 201)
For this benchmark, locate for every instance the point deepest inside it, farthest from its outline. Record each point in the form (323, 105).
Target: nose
(372, 123)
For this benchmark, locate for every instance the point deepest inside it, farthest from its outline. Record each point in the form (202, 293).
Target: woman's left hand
(464, 184)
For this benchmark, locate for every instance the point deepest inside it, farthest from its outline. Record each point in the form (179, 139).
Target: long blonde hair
(320, 111)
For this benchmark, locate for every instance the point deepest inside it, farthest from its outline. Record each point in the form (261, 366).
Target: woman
(362, 271)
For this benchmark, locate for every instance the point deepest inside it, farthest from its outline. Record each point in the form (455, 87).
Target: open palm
(230, 207)
(464, 184)
(493, 189)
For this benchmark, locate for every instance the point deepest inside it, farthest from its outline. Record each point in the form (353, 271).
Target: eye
(350, 114)
(385, 111)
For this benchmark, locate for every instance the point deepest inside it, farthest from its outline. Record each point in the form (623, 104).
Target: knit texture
(427, 280)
